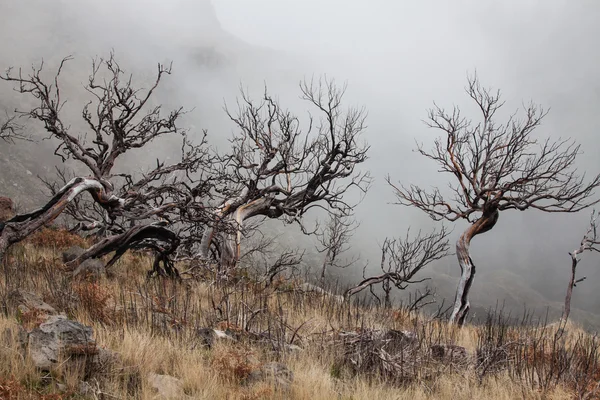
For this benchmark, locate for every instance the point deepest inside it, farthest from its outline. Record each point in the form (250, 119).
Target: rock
(27, 302)
(7, 209)
(58, 339)
(310, 288)
(399, 340)
(223, 335)
(72, 253)
(86, 389)
(206, 337)
(449, 353)
(168, 387)
(105, 362)
(275, 373)
(90, 268)
(293, 348)
(15, 335)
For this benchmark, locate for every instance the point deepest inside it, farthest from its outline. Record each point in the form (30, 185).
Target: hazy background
(397, 57)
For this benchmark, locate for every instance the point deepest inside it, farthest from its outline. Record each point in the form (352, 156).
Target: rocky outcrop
(72, 253)
(59, 339)
(26, 302)
(92, 269)
(450, 354)
(277, 374)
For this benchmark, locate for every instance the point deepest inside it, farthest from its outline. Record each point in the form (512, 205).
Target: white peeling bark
(467, 267)
(21, 226)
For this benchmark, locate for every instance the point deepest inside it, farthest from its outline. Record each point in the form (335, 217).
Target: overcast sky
(397, 56)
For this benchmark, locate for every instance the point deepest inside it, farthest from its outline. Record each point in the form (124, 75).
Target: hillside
(197, 339)
(209, 64)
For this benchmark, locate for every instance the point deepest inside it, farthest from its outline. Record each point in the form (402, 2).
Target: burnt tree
(402, 259)
(589, 242)
(10, 130)
(119, 119)
(334, 240)
(495, 166)
(279, 169)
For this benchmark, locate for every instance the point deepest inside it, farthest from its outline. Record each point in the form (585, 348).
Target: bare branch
(402, 259)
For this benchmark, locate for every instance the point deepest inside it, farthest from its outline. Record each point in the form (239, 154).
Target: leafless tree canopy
(120, 119)
(495, 166)
(278, 168)
(402, 259)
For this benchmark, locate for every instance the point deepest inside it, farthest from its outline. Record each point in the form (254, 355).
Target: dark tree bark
(277, 169)
(495, 167)
(23, 225)
(120, 119)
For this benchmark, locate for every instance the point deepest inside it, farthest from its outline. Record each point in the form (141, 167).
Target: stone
(90, 268)
(206, 337)
(275, 373)
(168, 387)
(58, 339)
(310, 288)
(27, 302)
(449, 353)
(72, 253)
(7, 209)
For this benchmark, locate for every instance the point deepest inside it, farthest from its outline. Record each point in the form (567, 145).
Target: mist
(397, 58)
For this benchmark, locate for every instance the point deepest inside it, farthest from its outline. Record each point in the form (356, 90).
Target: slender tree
(495, 166)
(589, 242)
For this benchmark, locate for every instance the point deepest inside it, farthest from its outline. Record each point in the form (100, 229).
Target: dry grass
(152, 324)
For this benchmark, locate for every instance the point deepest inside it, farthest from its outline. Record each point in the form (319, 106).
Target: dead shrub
(234, 364)
(94, 299)
(58, 238)
(32, 318)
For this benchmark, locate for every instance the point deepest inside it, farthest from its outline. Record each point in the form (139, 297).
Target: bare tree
(10, 130)
(277, 169)
(402, 259)
(334, 240)
(495, 167)
(589, 242)
(120, 119)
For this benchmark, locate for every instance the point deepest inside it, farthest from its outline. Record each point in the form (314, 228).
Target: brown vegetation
(153, 325)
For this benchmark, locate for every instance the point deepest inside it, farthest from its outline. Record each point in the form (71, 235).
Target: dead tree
(10, 130)
(402, 259)
(334, 240)
(278, 169)
(590, 242)
(495, 166)
(119, 120)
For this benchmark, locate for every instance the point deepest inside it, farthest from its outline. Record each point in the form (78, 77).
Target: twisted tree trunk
(461, 302)
(21, 226)
(230, 251)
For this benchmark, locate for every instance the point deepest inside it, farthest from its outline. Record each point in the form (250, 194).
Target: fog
(397, 57)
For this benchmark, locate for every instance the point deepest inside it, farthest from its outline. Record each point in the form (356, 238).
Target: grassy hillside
(216, 340)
